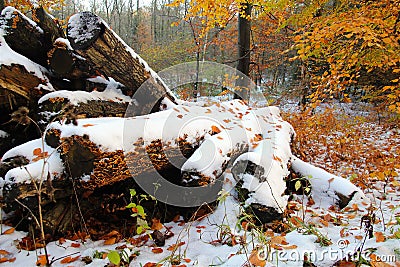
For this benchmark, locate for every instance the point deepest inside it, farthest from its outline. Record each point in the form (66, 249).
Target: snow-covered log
(106, 101)
(326, 189)
(25, 36)
(93, 39)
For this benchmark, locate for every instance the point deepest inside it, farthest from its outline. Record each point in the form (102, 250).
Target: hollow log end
(83, 30)
(61, 61)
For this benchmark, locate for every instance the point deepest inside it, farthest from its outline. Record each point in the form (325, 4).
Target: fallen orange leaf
(110, 241)
(255, 260)
(69, 259)
(156, 225)
(215, 129)
(175, 246)
(379, 237)
(87, 125)
(9, 231)
(37, 151)
(42, 260)
(297, 221)
(157, 250)
(151, 264)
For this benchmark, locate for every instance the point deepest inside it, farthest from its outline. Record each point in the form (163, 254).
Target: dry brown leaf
(175, 246)
(42, 260)
(87, 125)
(351, 216)
(289, 246)
(4, 252)
(180, 116)
(75, 245)
(156, 225)
(379, 237)
(280, 240)
(37, 151)
(187, 260)
(255, 260)
(152, 264)
(3, 260)
(9, 231)
(110, 241)
(69, 259)
(324, 223)
(296, 221)
(157, 250)
(215, 129)
(277, 158)
(358, 237)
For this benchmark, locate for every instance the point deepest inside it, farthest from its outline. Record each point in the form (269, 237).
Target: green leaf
(140, 211)
(297, 185)
(132, 192)
(131, 205)
(139, 230)
(114, 257)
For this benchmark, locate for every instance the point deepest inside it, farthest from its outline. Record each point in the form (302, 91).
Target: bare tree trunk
(1, 5)
(244, 28)
(154, 21)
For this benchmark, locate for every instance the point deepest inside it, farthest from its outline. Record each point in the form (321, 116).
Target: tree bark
(23, 36)
(244, 32)
(108, 53)
(51, 28)
(67, 65)
(17, 79)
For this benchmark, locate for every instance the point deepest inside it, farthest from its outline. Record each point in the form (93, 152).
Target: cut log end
(61, 61)
(83, 29)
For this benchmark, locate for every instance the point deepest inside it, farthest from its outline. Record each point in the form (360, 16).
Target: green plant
(138, 210)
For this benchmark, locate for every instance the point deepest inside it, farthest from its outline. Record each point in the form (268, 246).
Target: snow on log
(93, 39)
(17, 73)
(261, 173)
(25, 36)
(327, 189)
(109, 102)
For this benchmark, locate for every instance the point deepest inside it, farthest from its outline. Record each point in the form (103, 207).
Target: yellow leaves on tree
(356, 45)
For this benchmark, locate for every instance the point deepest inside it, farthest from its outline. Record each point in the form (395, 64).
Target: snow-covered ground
(205, 242)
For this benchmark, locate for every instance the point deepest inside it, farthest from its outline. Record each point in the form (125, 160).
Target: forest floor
(348, 140)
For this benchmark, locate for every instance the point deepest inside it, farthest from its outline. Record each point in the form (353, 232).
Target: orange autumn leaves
(39, 154)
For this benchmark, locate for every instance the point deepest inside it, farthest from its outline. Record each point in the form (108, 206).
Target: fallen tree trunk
(93, 39)
(30, 38)
(66, 64)
(95, 154)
